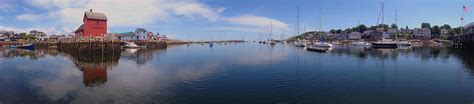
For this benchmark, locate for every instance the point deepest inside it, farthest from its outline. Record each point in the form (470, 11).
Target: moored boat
(24, 46)
(385, 44)
(317, 49)
(360, 43)
(323, 45)
(131, 45)
(299, 44)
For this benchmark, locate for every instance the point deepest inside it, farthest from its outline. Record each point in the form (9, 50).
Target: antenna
(396, 16)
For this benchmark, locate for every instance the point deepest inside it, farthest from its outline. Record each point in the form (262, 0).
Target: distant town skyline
(226, 19)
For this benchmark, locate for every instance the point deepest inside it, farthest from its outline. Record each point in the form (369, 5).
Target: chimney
(90, 10)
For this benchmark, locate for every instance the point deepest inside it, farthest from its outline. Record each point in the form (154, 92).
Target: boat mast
(298, 19)
(396, 23)
(271, 30)
(383, 15)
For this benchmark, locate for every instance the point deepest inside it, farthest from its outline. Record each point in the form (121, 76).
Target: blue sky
(225, 19)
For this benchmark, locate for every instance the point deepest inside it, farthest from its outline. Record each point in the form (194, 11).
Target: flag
(465, 8)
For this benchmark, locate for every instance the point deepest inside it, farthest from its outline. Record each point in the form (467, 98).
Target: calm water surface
(238, 73)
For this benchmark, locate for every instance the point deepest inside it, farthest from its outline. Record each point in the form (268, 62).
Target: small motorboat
(299, 44)
(317, 49)
(323, 45)
(361, 44)
(24, 46)
(131, 45)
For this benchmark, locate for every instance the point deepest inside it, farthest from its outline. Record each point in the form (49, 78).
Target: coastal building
(406, 31)
(6, 35)
(423, 34)
(444, 34)
(391, 33)
(95, 25)
(355, 36)
(367, 34)
(41, 36)
(374, 35)
(139, 34)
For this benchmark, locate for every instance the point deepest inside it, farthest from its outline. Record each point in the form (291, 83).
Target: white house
(41, 36)
(139, 34)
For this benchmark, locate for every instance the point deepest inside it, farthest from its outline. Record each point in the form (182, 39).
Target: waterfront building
(423, 34)
(139, 34)
(444, 34)
(391, 33)
(373, 35)
(95, 25)
(5, 35)
(355, 36)
(41, 36)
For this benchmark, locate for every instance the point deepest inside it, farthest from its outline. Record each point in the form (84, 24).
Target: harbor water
(238, 73)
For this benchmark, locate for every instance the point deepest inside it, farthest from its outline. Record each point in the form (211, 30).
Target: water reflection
(260, 73)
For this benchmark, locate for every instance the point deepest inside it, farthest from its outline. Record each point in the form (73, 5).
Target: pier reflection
(94, 64)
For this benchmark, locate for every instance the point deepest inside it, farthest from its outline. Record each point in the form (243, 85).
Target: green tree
(29, 36)
(435, 31)
(425, 25)
(384, 26)
(446, 26)
(361, 28)
(339, 31)
(332, 31)
(348, 30)
(373, 27)
(394, 26)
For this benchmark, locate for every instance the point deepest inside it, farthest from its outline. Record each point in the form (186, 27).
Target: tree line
(435, 30)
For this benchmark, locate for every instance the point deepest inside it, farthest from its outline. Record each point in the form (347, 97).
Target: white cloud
(236, 28)
(6, 6)
(127, 12)
(29, 17)
(47, 30)
(133, 13)
(257, 21)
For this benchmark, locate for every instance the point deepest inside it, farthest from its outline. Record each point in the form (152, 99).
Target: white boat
(360, 43)
(323, 45)
(403, 43)
(299, 44)
(317, 49)
(131, 45)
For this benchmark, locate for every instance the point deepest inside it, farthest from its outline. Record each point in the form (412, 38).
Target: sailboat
(322, 46)
(298, 43)
(272, 42)
(385, 43)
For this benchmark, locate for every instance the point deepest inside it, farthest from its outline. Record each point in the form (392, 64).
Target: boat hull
(317, 49)
(24, 47)
(384, 45)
